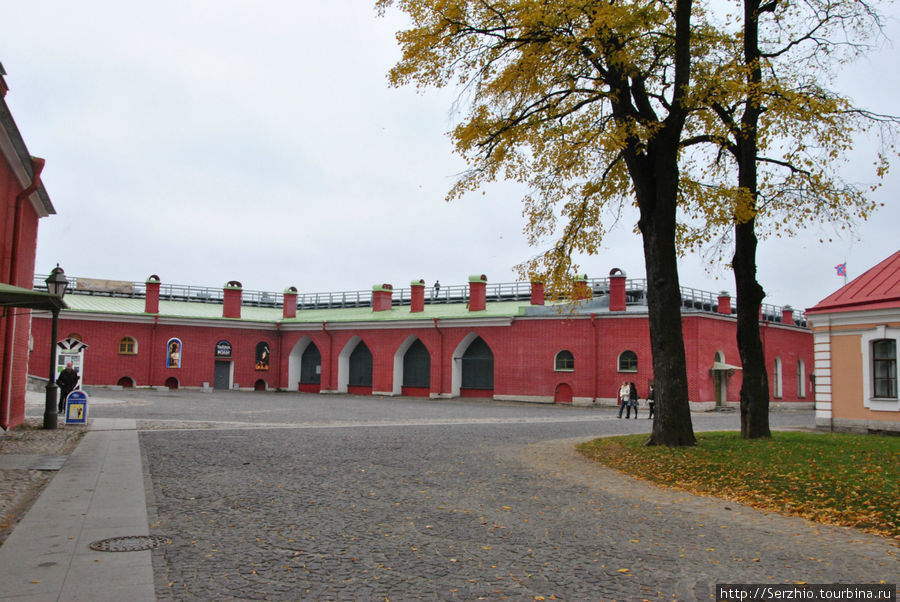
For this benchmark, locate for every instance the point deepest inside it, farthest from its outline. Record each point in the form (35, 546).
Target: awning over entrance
(14, 296)
(724, 367)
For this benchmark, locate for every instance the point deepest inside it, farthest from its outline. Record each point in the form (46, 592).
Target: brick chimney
(537, 293)
(477, 292)
(787, 315)
(724, 306)
(151, 296)
(581, 287)
(231, 308)
(382, 297)
(616, 290)
(289, 309)
(417, 297)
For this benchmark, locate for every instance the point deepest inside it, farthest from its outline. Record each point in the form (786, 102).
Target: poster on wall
(173, 353)
(262, 356)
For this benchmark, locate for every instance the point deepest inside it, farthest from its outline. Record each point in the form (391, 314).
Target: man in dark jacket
(66, 381)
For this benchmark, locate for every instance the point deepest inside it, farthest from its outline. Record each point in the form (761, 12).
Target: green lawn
(851, 480)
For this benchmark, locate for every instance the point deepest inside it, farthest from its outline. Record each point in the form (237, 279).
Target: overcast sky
(260, 142)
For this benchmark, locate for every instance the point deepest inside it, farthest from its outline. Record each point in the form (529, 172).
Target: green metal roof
(15, 296)
(213, 311)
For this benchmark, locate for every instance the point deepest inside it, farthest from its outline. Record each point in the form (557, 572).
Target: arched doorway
(477, 370)
(172, 383)
(563, 393)
(416, 370)
(359, 370)
(311, 369)
(126, 382)
(259, 385)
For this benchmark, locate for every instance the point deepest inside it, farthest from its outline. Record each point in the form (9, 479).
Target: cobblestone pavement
(366, 499)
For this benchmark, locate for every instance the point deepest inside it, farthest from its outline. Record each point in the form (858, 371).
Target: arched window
(801, 379)
(564, 361)
(777, 378)
(628, 361)
(127, 346)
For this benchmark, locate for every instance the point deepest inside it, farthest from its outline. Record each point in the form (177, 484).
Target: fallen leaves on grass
(850, 480)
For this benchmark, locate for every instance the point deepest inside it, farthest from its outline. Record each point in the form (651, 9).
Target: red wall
(104, 365)
(18, 241)
(524, 353)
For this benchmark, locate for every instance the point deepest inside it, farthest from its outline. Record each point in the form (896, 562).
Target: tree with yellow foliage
(763, 107)
(586, 102)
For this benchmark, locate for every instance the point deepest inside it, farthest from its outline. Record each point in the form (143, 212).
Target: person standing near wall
(624, 398)
(66, 381)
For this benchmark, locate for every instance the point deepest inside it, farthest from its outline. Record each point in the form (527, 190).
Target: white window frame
(877, 404)
(778, 389)
(556, 367)
(801, 378)
(629, 370)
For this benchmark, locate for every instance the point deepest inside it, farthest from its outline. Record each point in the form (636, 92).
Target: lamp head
(57, 282)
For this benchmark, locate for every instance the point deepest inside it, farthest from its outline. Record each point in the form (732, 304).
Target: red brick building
(23, 201)
(482, 339)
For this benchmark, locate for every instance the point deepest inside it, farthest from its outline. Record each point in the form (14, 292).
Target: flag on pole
(841, 269)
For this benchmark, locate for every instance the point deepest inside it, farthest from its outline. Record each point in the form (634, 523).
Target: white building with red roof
(856, 333)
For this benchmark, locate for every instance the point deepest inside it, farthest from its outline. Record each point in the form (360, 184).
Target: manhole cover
(129, 543)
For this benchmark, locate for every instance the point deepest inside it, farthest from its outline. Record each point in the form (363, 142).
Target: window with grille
(884, 368)
(127, 346)
(628, 361)
(564, 362)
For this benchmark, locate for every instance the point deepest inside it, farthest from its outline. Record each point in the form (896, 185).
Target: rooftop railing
(635, 294)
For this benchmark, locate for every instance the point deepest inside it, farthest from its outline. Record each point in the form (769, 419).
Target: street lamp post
(56, 285)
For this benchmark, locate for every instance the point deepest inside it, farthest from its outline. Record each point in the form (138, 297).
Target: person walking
(651, 402)
(66, 381)
(632, 399)
(624, 396)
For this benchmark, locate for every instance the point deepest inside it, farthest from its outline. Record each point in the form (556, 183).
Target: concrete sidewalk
(98, 494)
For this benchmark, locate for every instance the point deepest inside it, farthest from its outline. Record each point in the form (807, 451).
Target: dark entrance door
(478, 369)
(360, 381)
(222, 376)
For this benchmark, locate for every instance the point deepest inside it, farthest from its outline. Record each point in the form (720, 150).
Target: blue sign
(76, 407)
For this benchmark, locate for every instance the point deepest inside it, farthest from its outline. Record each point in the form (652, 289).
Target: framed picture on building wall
(262, 356)
(173, 353)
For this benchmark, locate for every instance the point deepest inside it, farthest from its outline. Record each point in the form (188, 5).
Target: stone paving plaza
(285, 496)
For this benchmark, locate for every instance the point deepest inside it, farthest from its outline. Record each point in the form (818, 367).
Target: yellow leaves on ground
(850, 480)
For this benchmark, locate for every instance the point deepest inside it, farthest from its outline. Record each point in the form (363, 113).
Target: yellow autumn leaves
(848, 480)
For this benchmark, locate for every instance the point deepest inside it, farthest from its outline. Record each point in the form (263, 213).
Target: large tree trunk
(755, 387)
(655, 175)
(653, 168)
(672, 425)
